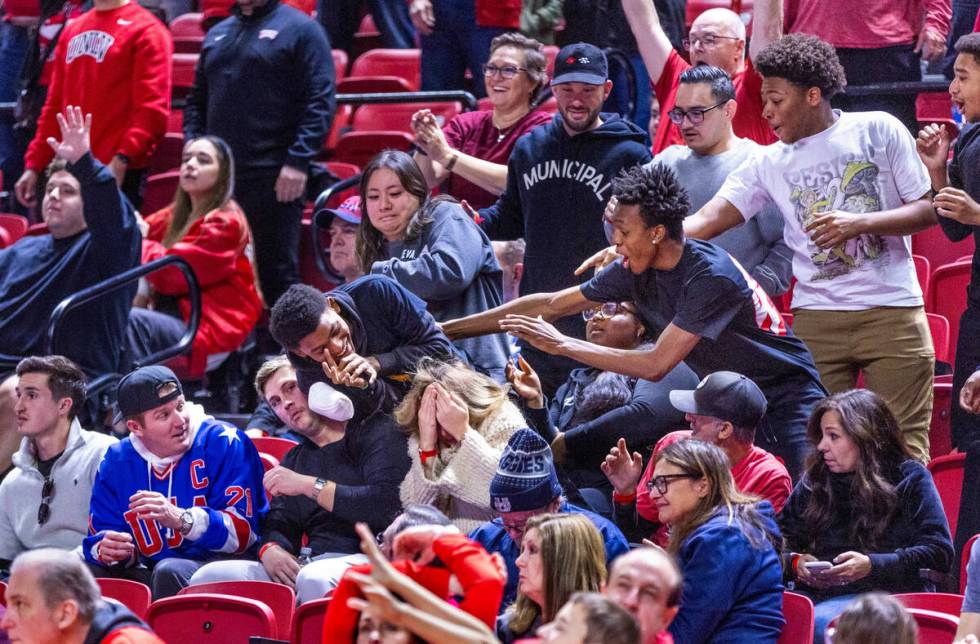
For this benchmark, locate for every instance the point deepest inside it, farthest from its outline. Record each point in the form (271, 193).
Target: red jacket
(474, 568)
(116, 65)
(499, 13)
(214, 246)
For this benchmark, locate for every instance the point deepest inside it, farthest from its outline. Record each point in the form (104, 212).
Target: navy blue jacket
(390, 323)
(265, 84)
(37, 273)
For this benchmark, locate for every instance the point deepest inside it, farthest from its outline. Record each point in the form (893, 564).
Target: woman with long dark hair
(865, 515)
(726, 544)
(431, 247)
(207, 228)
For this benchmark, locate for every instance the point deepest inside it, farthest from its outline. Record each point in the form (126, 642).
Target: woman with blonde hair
(726, 544)
(459, 422)
(561, 554)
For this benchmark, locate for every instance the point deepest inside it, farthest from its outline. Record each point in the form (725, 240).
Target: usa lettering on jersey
(89, 43)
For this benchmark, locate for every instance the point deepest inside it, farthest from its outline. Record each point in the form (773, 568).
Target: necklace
(502, 132)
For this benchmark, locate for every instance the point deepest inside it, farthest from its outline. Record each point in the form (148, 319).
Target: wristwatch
(318, 487)
(186, 522)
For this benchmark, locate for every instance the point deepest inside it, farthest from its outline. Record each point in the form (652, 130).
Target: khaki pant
(892, 346)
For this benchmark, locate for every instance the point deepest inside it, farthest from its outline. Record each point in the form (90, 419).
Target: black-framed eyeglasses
(606, 310)
(515, 528)
(695, 115)
(507, 71)
(708, 40)
(662, 482)
(44, 510)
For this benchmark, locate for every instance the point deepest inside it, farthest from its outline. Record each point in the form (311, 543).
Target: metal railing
(319, 224)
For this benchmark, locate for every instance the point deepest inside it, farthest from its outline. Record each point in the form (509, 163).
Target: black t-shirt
(710, 295)
(44, 467)
(964, 173)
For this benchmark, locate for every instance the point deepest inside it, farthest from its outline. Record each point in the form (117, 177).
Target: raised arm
(550, 306)
(767, 25)
(651, 40)
(714, 218)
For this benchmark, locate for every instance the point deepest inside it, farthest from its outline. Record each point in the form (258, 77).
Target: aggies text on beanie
(525, 478)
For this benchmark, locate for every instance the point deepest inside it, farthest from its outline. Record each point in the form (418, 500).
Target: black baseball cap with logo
(726, 395)
(140, 391)
(581, 63)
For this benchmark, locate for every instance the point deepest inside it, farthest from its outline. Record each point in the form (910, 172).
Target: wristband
(623, 499)
(452, 163)
(425, 455)
(266, 547)
(794, 559)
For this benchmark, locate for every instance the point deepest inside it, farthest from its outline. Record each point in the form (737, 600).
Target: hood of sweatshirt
(109, 617)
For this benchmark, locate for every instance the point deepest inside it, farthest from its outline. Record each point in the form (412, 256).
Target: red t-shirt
(882, 23)
(116, 65)
(747, 123)
(474, 133)
(759, 474)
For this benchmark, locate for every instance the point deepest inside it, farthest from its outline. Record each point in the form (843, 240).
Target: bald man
(717, 38)
(647, 583)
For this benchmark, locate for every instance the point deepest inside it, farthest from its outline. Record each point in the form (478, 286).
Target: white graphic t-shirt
(864, 162)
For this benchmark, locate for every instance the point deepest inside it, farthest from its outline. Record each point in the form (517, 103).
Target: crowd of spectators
(590, 374)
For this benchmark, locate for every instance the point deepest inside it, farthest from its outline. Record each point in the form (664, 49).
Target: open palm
(75, 130)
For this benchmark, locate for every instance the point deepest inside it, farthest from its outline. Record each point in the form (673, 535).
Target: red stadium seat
(268, 461)
(787, 318)
(5, 239)
(308, 622)
(340, 62)
(184, 66)
(798, 613)
(398, 116)
(939, 328)
(360, 147)
(947, 297)
(14, 225)
(343, 170)
(280, 598)
(934, 627)
(188, 35)
(131, 594)
(175, 121)
(923, 271)
(159, 191)
(277, 447)
(965, 560)
(947, 603)
(936, 107)
(940, 432)
(3, 593)
(550, 53)
(374, 84)
(367, 36)
(309, 273)
(341, 124)
(167, 155)
(933, 244)
(947, 473)
(201, 618)
(403, 63)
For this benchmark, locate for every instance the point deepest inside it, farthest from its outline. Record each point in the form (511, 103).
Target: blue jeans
(455, 45)
(964, 13)
(13, 50)
(783, 430)
(341, 18)
(825, 612)
(618, 100)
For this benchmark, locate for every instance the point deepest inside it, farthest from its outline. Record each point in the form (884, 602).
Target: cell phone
(817, 566)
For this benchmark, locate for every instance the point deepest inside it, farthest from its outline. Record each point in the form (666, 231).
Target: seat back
(184, 66)
(221, 619)
(340, 62)
(268, 461)
(159, 191)
(308, 622)
(798, 613)
(360, 147)
(278, 597)
(403, 63)
(939, 329)
(187, 25)
(935, 628)
(167, 155)
(965, 559)
(947, 297)
(277, 447)
(131, 594)
(933, 244)
(940, 427)
(947, 474)
(374, 84)
(947, 603)
(936, 107)
(14, 225)
(923, 271)
(398, 116)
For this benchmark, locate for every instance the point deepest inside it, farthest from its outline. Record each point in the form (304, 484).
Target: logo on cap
(501, 504)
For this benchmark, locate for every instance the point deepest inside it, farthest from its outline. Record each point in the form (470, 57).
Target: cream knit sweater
(459, 483)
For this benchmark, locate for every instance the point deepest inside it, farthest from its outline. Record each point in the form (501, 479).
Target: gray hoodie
(452, 267)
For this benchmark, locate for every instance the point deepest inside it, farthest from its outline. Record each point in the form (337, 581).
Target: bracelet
(452, 163)
(794, 559)
(425, 455)
(623, 499)
(266, 547)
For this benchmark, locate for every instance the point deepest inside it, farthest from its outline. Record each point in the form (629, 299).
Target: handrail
(122, 279)
(469, 101)
(317, 223)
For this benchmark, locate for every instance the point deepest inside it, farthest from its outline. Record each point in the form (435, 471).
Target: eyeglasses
(695, 115)
(44, 510)
(515, 528)
(606, 310)
(663, 481)
(708, 40)
(506, 72)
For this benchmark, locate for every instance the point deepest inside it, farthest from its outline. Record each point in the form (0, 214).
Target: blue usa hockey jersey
(221, 473)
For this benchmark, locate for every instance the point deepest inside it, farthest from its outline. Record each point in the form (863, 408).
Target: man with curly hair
(711, 313)
(851, 190)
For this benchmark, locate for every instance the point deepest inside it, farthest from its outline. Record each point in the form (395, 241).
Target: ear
(813, 96)
(134, 428)
(727, 429)
(641, 331)
(703, 488)
(65, 614)
(554, 505)
(64, 406)
(607, 89)
(669, 614)
(731, 108)
(334, 306)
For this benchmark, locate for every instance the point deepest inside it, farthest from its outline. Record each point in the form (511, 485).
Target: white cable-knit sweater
(459, 484)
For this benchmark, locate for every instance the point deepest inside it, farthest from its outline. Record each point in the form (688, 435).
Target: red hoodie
(116, 65)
